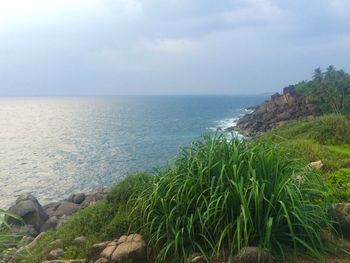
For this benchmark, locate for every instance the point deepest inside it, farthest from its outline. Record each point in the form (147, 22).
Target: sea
(55, 146)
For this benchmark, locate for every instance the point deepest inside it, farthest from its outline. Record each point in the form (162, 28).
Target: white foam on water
(224, 124)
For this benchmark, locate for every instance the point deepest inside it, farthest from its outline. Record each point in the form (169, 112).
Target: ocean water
(52, 147)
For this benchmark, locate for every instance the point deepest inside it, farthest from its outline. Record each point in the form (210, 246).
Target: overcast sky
(88, 47)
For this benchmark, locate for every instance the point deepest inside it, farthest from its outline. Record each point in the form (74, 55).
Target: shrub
(340, 182)
(332, 129)
(223, 195)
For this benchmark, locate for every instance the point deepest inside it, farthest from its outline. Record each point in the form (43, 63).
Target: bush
(223, 195)
(340, 183)
(332, 129)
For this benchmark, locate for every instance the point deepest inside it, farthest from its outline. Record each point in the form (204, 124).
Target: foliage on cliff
(329, 89)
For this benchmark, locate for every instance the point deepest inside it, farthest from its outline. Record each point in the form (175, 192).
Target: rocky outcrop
(37, 218)
(280, 109)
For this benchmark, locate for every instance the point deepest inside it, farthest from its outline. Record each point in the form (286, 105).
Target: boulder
(36, 240)
(95, 251)
(51, 208)
(76, 198)
(26, 230)
(252, 255)
(316, 165)
(66, 208)
(55, 254)
(58, 243)
(26, 240)
(30, 210)
(132, 250)
(51, 223)
(79, 241)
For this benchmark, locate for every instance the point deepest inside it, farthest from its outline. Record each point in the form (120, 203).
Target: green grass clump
(340, 183)
(105, 220)
(223, 195)
(326, 130)
(333, 157)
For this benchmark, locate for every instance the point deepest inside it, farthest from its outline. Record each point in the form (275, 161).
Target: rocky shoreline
(38, 218)
(280, 109)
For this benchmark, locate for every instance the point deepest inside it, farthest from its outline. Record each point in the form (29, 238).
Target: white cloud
(175, 46)
(261, 11)
(24, 13)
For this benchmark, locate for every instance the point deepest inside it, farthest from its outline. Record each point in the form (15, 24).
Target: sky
(113, 47)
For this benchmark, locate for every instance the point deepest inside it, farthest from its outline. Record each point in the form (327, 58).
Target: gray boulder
(66, 208)
(30, 210)
(51, 223)
(76, 198)
(55, 254)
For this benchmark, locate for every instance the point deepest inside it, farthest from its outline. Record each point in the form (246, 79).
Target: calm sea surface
(55, 146)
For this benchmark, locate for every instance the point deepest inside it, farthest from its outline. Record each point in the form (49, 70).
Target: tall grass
(7, 238)
(221, 196)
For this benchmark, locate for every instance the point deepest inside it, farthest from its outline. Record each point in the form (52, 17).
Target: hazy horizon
(174, 47)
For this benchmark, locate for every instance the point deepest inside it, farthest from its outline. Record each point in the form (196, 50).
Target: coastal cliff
(280, 109)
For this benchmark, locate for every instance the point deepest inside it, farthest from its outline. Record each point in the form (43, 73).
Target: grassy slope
(323, 138)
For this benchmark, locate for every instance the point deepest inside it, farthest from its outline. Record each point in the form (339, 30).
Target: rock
(62, 220)
(342, 213)
(51, 223)
(132, 250)
(95, 251)
(66, 208)
(30, 210)
(94, 197)
(252, 255)
(26, 230)
(79, 241)
(51, 208)
(66, 261)
(79, 198)
(316, 165)
(58, 243)
(198, 259)
(108, 251)
(36, 240)
(26, 240)
(55, 254)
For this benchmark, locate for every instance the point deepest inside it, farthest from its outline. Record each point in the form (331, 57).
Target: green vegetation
(7, 238)
(330, 90)
(340, 181)
(223, 195)
(324, 138)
